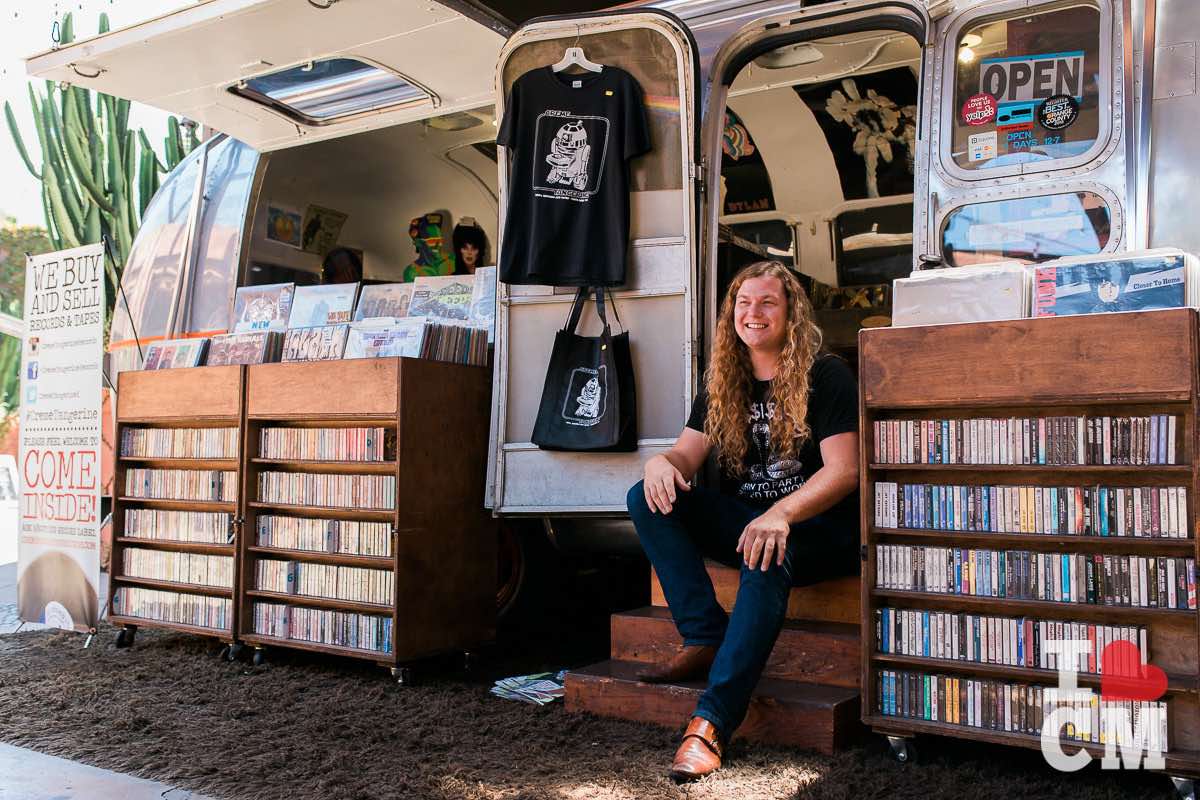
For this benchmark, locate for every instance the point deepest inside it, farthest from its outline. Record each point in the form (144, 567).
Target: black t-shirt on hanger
(572, 136)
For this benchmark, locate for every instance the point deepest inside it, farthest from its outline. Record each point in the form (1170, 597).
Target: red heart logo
(1124, 676)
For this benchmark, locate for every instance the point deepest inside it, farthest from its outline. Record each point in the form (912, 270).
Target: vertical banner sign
(58, 569)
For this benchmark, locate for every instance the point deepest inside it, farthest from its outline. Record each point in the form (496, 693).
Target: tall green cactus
(97, 175)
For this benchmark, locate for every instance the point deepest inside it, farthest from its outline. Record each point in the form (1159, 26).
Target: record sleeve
(483, 301)
(254, 347)
(1140, 281)
(401, 337)
(175, 353)
(384, 300)
(442, 296)
(330, 304)
(318, 343)
(257, 308)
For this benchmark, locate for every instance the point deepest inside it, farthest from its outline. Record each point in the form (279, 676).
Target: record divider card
(1024, 481)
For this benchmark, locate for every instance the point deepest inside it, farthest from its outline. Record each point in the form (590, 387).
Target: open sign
(1032, 78)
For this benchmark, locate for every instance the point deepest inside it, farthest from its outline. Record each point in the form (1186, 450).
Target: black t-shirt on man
(765, 478)
(567, 221)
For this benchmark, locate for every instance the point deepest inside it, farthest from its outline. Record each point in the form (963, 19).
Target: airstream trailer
(854, 140)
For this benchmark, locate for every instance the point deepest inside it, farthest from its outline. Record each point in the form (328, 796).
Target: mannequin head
(470, 248)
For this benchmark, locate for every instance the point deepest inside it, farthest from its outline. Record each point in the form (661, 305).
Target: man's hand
(765, 540)
(660, 482)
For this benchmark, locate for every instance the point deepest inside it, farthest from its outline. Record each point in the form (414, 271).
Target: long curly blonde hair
(730, 376)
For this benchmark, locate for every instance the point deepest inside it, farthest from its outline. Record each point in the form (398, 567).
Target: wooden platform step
(805, 715)
(808, 652)
(837, 600)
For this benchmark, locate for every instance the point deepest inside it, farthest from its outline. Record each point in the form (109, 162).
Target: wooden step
(808, 652)
(805, 715)
(836, 600)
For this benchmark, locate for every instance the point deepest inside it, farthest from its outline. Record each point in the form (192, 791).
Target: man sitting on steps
(783, 417)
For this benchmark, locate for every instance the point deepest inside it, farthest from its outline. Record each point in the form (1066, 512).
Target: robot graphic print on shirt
(568, 157)
(573, 150)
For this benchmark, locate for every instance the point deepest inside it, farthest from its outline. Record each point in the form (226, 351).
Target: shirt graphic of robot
(569, 154)
(572, 149)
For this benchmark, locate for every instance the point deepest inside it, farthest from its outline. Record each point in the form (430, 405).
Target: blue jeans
(706, 523)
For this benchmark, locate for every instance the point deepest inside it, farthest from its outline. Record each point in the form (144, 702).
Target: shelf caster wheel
(125, 636)
(259, 657)
(1185, 788)
(903, 750)
(233, 651)
(403, 675)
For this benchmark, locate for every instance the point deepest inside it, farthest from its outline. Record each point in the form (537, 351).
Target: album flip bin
(1113, 365)
(177, 491)
(432, 589)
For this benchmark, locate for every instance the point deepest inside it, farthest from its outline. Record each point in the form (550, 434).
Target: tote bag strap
(581, 297)
(613, 301)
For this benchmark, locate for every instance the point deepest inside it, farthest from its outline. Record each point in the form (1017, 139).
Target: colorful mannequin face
(432, 259)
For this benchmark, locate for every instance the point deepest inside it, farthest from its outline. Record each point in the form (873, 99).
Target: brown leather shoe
(700, 752)
(689, 663)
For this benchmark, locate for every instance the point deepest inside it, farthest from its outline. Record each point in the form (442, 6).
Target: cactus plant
(97, 175)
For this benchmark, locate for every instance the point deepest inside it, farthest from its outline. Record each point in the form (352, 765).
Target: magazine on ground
(444, 296)
(329, 304)
(383, 300)
(1137, 281)
(258, 308)
(318, 343)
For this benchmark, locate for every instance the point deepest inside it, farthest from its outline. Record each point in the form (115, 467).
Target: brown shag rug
(303, 727)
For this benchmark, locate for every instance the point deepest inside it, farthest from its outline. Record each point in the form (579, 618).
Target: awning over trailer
(277, 73)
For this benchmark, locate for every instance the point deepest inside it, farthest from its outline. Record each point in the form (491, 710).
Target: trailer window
(228, 178)
(324, 91)
(1027, 90)
(1029, 229)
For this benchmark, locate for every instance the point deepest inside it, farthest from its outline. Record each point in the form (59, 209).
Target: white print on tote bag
(572, 150)
(587, 390)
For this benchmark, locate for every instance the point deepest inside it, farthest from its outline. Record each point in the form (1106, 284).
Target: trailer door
(658, 304)
(279, 73)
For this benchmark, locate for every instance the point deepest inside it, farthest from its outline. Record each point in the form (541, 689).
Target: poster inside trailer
(58, 569)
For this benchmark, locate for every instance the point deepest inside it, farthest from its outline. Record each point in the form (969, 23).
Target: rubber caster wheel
(1184, 787)
(403, 675)
(125, 636)
(903, 750)
(233, 652)
(259, 657)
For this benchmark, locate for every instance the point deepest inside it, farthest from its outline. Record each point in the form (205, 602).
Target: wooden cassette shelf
(1134, 364)
(202, 397)
(443, 556)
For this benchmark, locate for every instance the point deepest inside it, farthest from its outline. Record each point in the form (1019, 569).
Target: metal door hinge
(697, 171)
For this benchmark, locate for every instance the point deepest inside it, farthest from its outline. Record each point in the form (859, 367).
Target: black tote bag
(589, 401)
